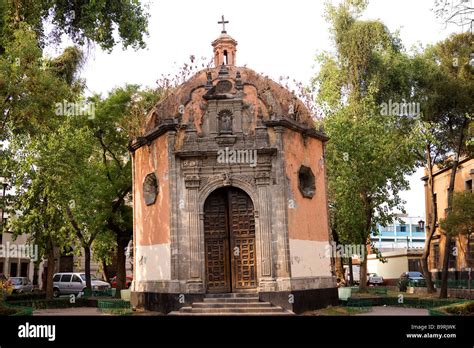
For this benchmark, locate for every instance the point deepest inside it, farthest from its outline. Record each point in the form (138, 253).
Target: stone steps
(193, 309)
(233, 295)
(233, 314)
(231, 300)
(232, 304)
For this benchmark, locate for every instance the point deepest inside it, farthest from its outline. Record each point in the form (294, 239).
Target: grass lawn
(337, 310)
(465, 309)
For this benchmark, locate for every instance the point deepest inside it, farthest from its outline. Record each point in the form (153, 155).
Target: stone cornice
(168, 124)
(204, 153)
(297, 127)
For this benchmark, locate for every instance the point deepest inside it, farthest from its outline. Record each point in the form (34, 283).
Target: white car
(374, 279)
(74, 283)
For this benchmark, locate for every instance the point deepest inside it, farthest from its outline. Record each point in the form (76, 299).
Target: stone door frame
(258, 191)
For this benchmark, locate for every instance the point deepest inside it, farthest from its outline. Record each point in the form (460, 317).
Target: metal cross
(223, 22)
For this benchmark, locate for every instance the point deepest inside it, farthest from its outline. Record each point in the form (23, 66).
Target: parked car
(374, 279)
(113, 281)
(75, 283)
(21, 284)
(413, 278)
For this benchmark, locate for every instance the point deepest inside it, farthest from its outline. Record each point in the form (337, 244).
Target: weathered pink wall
(152, 222)
(309, 221)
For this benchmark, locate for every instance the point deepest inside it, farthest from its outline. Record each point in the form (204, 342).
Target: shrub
(26, 296)
(461, 309)
(4, 310)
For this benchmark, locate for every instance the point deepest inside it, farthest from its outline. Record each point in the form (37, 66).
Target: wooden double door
(229, 236)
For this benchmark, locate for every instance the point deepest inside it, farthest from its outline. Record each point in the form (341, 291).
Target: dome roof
(268, 97)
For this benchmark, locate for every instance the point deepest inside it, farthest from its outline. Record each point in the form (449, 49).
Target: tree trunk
(87, 266)
(363, 273)
(447, 241)
(351, 272)
(432, 217)
(444, 277)
(338, 261)
(367, 201)
(35, 273)
(339, 267)
(106, 270)
(50, 274)
(122, 243)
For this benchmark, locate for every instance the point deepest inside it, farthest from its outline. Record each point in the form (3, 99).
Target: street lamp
(421, 225)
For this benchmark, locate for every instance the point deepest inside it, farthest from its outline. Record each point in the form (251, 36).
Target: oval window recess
(306, 182)
(150, 189)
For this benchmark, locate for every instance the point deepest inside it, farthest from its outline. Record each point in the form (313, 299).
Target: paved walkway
(387, 310)
(84, 311)
(67, 311)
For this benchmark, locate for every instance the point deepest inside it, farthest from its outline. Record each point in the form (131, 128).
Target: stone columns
(173, 205)
(195, 282)
(281, 230)
(266, 281)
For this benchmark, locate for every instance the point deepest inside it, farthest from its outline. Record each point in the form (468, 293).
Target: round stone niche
(150, 189)
(224, 86)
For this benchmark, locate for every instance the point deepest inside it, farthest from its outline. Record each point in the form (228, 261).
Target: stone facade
(185, 150)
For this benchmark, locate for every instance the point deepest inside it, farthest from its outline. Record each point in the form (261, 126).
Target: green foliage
(461, 218)
(30, 85)
(104, 22)
(74, 183)
(26, 296)
(368, 154)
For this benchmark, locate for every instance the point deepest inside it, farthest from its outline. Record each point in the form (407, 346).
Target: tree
(445, 108)
(369, 152)
(461, 219)
(34, 208)
(28, 89)
(457, 12)
(426, 75)
(454, 113)
(89, 161)
(31, 86)
(119, 118)
(99, 21)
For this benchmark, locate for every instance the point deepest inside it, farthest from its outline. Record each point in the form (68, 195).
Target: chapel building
(230, 194)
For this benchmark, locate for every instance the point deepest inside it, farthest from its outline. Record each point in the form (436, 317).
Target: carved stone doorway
(229, 237)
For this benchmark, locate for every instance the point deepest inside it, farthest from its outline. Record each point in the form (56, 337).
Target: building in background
(462, 247)
(396, 262)
(407, 234)
(401, 245)
(15, 254)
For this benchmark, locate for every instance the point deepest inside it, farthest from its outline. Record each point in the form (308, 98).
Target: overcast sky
(276, 38)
